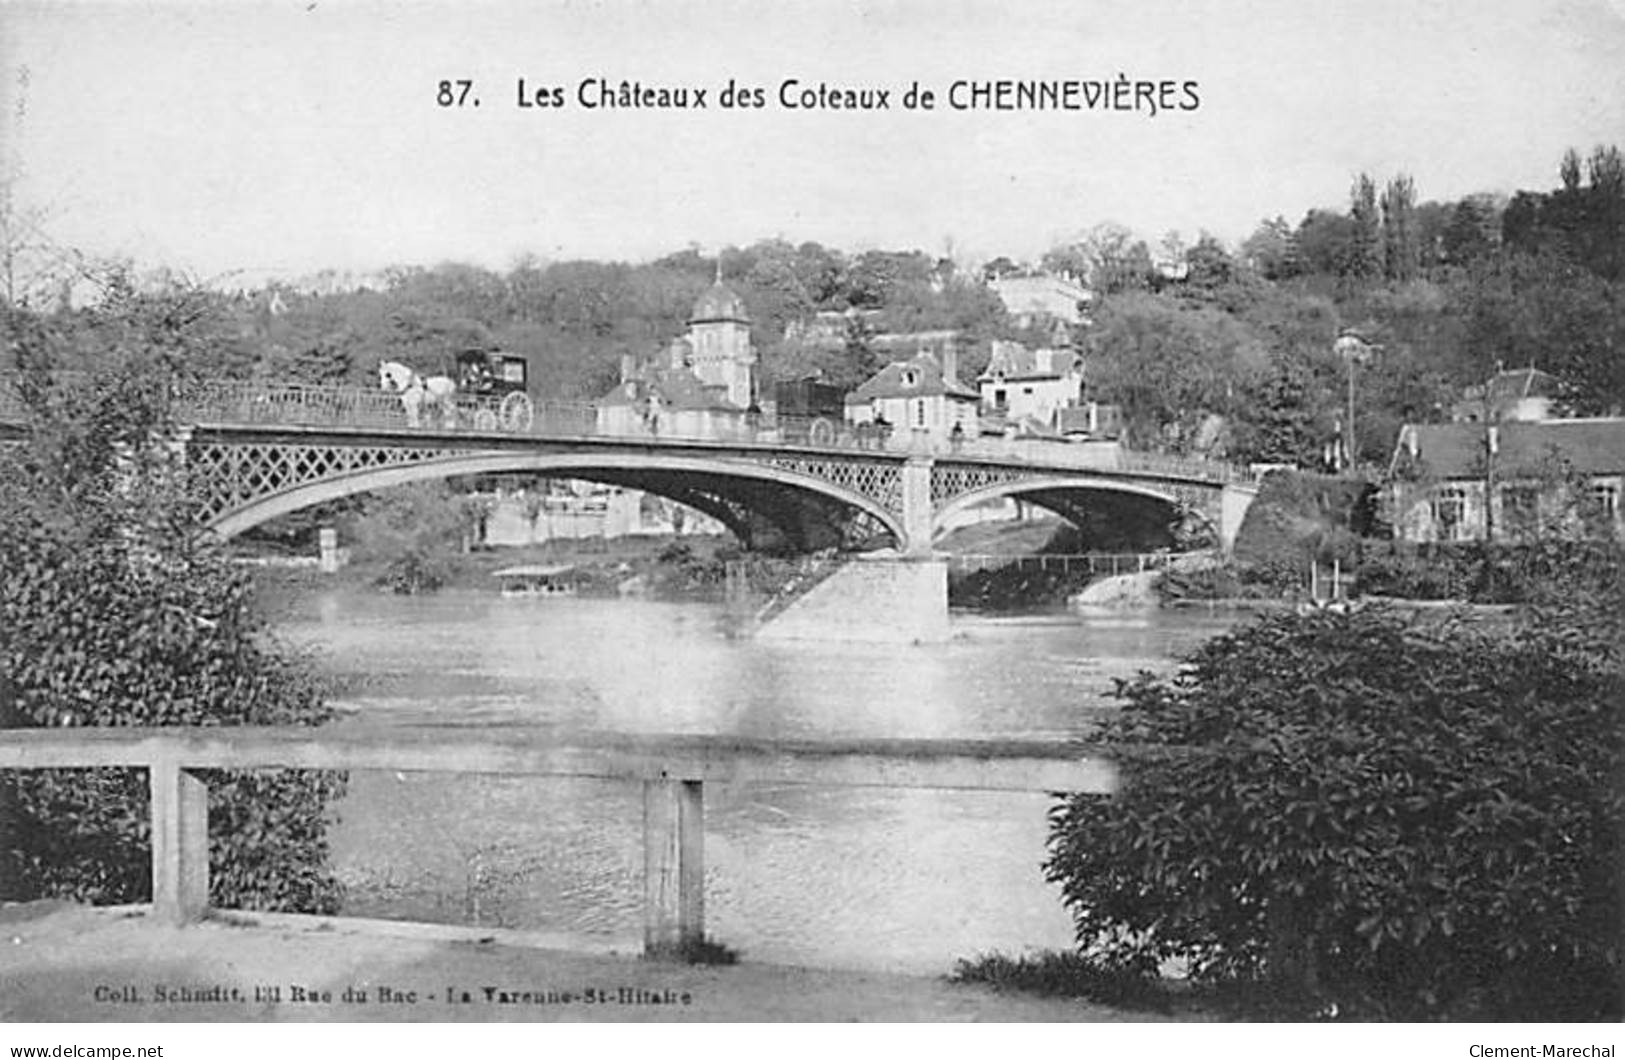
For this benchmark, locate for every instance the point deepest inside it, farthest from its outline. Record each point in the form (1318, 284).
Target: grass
(693, 951)
(1065, 974)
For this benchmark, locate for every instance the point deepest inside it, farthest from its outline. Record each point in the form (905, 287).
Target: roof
(677, 388)
(1522, 383)
(1457, 450)
(892, 381)
(1013, 360)
(533, 571)
(719, 303)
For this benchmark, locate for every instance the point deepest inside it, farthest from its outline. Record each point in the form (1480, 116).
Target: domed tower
(719, 333)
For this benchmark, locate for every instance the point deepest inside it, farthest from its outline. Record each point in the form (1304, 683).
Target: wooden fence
(1113, 563)
(673, 771)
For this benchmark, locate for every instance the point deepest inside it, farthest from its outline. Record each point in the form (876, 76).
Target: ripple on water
(896, 879)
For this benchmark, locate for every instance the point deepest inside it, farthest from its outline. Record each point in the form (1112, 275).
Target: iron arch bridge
(797, 498)
(256, 452)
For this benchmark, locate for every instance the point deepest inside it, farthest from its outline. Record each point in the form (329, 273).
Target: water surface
(885, 879)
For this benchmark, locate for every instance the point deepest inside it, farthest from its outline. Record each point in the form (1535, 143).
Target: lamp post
(1351, 348)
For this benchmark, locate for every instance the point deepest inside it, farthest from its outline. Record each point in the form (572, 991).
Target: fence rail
(230, 403)
(1113, 563)
(673, 771)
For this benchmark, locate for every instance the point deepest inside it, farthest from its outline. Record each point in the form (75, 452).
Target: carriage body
(492, 390)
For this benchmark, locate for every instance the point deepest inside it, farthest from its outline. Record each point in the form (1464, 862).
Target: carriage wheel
(822, 432)
(517, 412)
(485, 420)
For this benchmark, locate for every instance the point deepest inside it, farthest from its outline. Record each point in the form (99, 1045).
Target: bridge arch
(1073, 497)
(622, 468)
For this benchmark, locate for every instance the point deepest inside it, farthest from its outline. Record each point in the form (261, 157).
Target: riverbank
(65, 962)
(687, 568)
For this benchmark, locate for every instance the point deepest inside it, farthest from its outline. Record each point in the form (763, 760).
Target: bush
(1353, 811)
(1053, 974)
(1544, 571)
(115, 611)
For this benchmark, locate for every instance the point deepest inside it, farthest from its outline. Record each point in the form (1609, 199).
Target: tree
(1546, 311)
(1271, 250)
(1326, 243)
(116, 611)
(1210, 265)
(1366, 259)
(1401, 250)
(1473, 230)
(1168, 365)
(1366, 815)
(413, 534)
(1285, 421)
(1117, 261)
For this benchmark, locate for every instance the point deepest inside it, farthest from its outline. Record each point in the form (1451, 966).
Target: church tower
(719, 335)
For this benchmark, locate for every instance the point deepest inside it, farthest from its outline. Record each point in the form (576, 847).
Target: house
(922, 395)
(1090, 422)
(659, 399)
(1019, 383)
(702, 386)
(718, 347)
(1507, 481)
(1036, 299)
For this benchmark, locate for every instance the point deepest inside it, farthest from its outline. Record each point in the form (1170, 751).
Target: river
(854, 878)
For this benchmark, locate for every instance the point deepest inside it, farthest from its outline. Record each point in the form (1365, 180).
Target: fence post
(673, 864)
(180, 841)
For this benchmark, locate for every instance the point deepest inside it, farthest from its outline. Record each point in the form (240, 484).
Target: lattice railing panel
(238, 474)
(880, 482)
(953, 480)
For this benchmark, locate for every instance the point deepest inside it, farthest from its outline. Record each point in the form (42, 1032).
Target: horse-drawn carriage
(485, 390)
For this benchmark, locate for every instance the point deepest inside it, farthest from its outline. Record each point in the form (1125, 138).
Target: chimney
(950, 361)
(628, 367)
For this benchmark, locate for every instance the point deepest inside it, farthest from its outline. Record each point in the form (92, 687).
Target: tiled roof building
(1507, 481)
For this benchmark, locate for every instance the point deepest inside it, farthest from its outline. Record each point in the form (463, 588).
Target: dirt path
(69, 963)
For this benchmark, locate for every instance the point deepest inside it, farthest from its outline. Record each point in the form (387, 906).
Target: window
(910, 377)
(1450, 513)
(1520, 509)
(1001, 397)
(919, 413)
(1605, 499)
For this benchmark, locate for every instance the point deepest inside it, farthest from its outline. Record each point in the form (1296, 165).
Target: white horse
(417, 391)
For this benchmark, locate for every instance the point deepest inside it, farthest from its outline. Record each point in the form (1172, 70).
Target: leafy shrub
(1065, 975)
(115, 611)
(1351, 810)
(1546, 570)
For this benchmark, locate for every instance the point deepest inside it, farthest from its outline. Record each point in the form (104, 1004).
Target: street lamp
(1351, 348)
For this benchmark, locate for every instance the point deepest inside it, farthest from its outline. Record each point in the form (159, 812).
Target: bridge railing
(255, 404)
(673, 771)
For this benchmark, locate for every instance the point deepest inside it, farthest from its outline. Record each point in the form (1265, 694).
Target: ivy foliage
(115, 610)
(1366, 816)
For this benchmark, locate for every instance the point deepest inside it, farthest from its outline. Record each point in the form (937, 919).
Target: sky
(281, 138)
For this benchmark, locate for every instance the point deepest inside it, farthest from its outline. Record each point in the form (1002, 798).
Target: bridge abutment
(1233, 504)
(876, 600)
